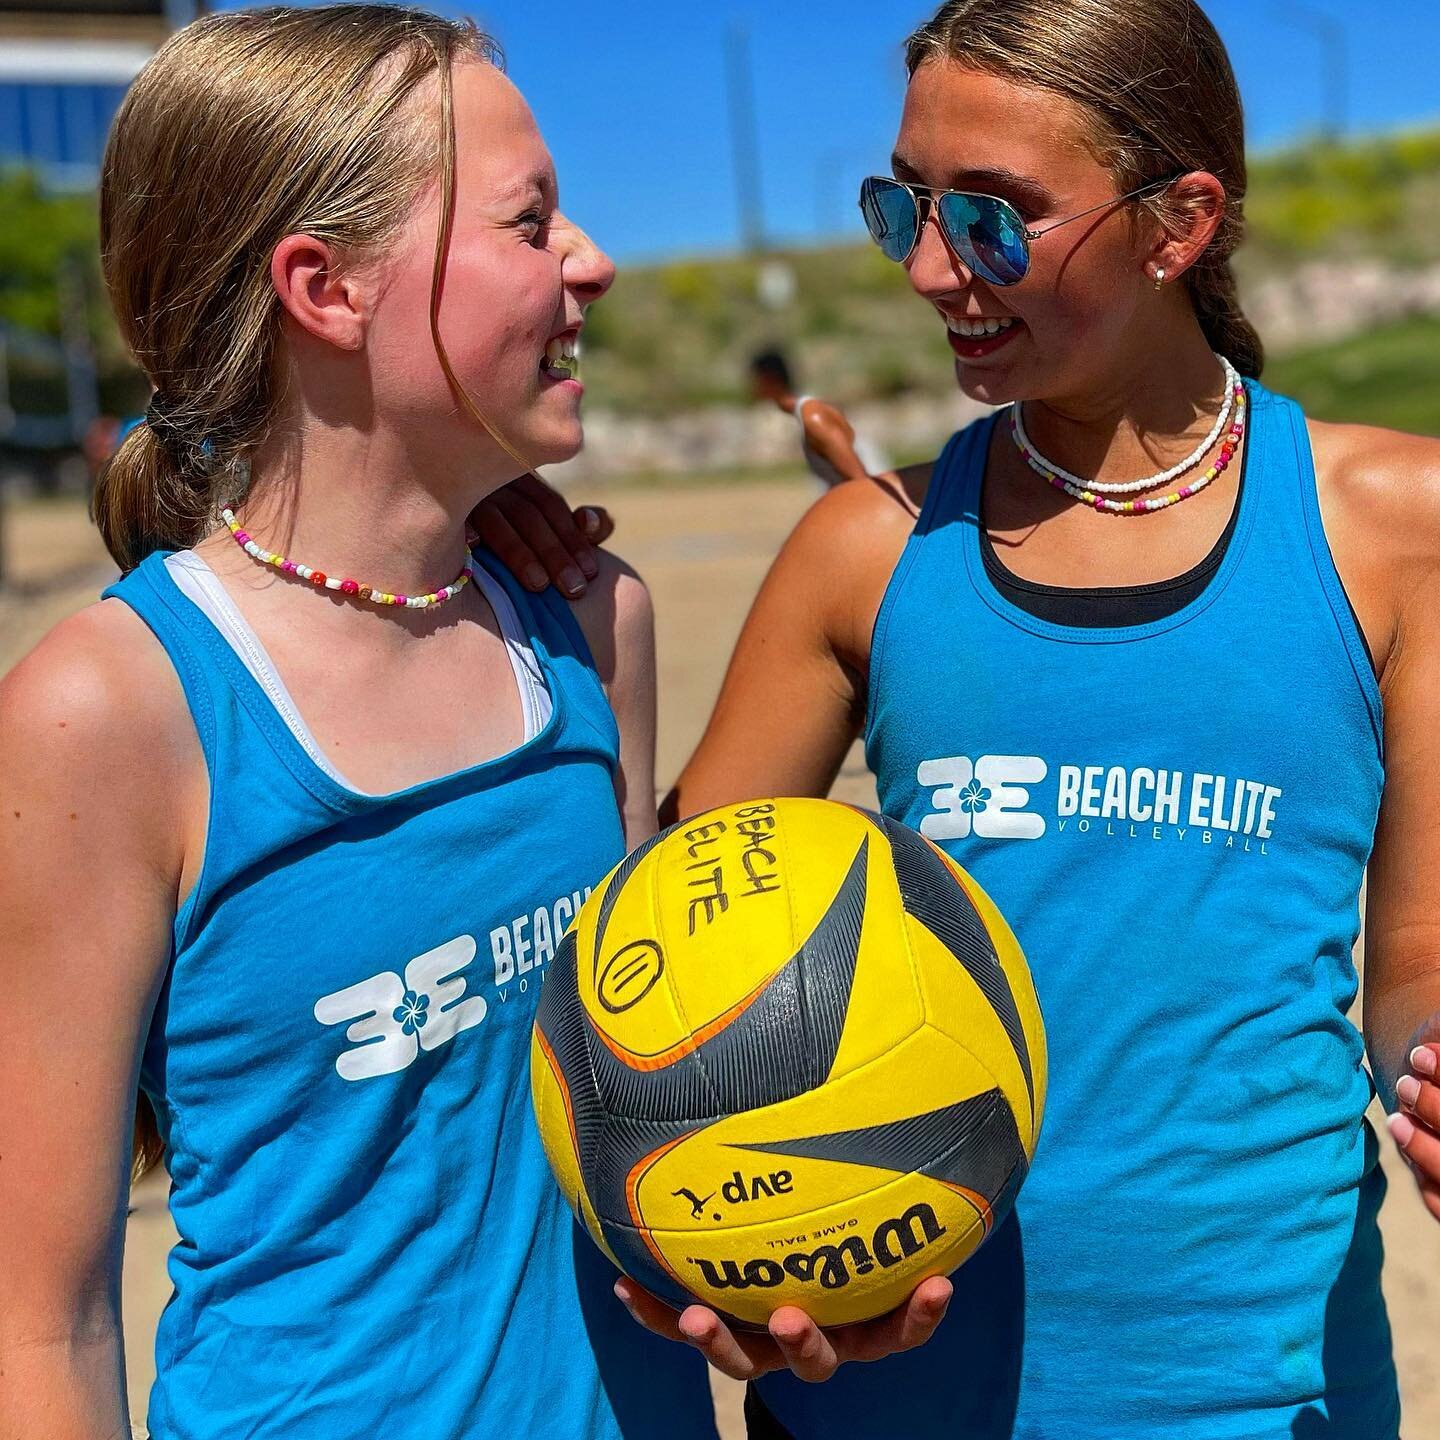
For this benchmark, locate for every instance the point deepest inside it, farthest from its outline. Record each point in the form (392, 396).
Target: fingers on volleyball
(816, 1087)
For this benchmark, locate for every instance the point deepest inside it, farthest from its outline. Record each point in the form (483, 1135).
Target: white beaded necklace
(1049, 468)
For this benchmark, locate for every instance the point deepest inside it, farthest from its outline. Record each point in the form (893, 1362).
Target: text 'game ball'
(789, 1053)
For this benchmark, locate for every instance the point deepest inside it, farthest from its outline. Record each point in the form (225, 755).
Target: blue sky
(631, 95)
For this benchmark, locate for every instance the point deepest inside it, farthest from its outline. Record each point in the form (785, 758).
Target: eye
(533, 224)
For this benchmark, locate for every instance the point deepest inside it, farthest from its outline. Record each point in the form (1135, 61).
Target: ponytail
(147, 1149)
(146, 499)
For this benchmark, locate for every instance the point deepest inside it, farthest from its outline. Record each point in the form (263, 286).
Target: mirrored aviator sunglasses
(986, 233)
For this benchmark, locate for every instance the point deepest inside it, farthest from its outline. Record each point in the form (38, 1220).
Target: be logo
(396, 1018)
(987, 798)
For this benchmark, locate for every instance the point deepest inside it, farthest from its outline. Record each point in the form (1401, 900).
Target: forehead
(958, 121)
(498, 147)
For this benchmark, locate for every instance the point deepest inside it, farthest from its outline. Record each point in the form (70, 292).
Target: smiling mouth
(974, 339)
(561, 360)
(978, 328)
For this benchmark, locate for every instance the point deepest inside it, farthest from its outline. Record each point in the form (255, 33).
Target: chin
(988, 387)
(555, 446)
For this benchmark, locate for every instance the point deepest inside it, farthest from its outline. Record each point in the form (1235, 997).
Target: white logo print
(397, 1018)
(988, 797)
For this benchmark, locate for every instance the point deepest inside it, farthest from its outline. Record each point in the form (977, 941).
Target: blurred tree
(39, 235)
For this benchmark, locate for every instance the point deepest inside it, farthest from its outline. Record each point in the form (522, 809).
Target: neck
(367, 516)
(1134, 416)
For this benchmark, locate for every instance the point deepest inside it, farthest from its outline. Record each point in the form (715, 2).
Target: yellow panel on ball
(780, 1059)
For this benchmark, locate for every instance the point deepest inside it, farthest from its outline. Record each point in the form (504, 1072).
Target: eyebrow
(1007, 184)
(517, 189)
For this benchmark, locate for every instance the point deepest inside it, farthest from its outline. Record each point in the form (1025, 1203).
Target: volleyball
(788, 1053)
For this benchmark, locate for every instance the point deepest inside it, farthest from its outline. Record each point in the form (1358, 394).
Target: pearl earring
(1159, 276)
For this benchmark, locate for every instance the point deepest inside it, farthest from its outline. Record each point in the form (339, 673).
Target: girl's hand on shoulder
(539, 538)
(794, 1341)
(1415, 1126)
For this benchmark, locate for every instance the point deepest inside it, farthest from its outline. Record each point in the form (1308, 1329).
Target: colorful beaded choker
(321, 581)
(1094, 494)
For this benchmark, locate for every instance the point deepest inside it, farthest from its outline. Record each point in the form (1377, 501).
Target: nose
(588, 270)
(933, 266)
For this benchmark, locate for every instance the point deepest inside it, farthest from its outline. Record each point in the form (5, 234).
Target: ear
(316, 293)
(1193, 208)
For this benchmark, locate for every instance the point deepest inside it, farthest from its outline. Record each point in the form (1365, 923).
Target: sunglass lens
(889, 211)
(988, 235)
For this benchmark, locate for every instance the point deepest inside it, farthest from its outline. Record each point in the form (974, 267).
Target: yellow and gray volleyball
(789, 1053)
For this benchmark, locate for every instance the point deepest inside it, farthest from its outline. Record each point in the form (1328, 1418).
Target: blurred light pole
(1335, 53)
(744, 138)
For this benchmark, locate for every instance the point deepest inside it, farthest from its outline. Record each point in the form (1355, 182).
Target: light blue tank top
(1175, 818)
(370, 1240)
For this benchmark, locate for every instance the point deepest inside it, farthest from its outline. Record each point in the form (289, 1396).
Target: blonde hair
(244, 128)
(1156, 83)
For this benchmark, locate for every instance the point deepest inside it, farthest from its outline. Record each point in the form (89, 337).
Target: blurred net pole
(744, 138)
(1335, 56)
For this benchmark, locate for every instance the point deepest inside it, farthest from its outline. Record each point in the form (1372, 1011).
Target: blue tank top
(1175, 818)
(370, 1241)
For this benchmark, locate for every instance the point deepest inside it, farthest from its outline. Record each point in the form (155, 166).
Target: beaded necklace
(1094, 493)
(321, 581)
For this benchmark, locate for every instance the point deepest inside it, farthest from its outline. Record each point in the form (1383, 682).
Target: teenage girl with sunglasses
(295, 818)
(1155, 657)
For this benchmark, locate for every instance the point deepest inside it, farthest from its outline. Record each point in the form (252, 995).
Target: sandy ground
(703, 551)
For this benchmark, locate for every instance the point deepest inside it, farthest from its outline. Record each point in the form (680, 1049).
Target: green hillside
(1387, 376)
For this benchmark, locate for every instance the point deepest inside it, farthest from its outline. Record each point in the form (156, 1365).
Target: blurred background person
(834, 450)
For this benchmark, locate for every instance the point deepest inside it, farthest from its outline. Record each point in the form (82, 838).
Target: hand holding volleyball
(789, 1056)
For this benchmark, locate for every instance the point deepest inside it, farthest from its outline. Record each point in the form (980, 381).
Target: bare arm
(793, 700)
(619, 623)
(89, 868)
(1402, 928)
(1382, 512)
(1402, 923)
(831, 436)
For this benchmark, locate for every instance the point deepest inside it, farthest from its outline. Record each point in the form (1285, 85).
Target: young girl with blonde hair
(295, 817)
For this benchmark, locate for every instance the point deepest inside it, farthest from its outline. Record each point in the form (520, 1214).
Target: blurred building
(64, 66)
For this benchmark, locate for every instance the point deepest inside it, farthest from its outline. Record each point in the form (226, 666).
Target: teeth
(562, 355)
(973, 329)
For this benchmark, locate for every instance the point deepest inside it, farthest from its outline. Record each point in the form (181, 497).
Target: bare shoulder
(97, 701)
(821, 414)
(832, 573)
(615, 613)
(1394, 475)
(866, 520)
(1381, 490)
(1380, 499)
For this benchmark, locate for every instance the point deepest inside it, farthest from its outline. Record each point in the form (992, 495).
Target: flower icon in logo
(974, 797)
(410, 1012)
